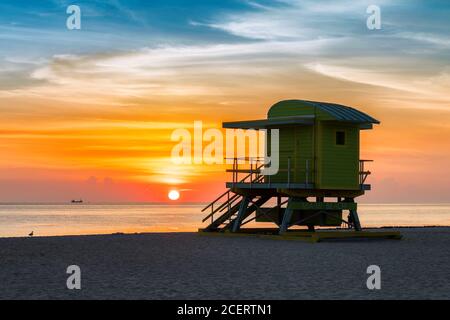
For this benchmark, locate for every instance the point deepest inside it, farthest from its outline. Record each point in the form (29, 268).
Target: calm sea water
(51, 220)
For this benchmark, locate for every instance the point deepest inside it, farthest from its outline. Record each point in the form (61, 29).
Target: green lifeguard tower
(320, 173)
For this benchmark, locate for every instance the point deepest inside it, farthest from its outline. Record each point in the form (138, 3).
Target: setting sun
(174, 195)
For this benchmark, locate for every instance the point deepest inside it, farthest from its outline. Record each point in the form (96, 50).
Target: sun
(174, 195)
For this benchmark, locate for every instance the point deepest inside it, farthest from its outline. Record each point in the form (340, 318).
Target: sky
(89, 113)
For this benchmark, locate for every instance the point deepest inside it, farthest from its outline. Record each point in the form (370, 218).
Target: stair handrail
(222, 206)
(230, 201)
(217, 199)
(227, 193)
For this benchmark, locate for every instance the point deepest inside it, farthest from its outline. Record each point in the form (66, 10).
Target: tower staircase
(232, 207)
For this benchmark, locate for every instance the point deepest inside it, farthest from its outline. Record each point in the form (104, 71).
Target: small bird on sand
(31, 233)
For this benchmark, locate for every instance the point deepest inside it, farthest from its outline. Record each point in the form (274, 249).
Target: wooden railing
(255, 170)
(363, 173)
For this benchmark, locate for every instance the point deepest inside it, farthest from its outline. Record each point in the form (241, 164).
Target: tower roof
(321, 110)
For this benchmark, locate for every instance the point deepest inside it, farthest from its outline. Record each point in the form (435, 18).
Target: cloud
(364, 76)
(436, 86)
(15, 73)
(280, 37)
(284, 20)
(437, 40)
(169, 70)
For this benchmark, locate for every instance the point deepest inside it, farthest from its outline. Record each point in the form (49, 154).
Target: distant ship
(77, 201)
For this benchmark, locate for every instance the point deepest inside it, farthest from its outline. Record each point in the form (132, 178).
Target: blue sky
(328, 38)
(32, 32)
(119, 24)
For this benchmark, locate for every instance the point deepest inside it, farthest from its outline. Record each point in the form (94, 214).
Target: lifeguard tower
(320, 175)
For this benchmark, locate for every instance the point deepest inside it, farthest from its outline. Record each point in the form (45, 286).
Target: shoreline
(195, 232)
(73, 220)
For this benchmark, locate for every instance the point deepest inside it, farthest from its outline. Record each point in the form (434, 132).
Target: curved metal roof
(270, 123)
(337, 111)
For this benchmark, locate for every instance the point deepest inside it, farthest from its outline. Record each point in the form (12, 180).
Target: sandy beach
(191, 266)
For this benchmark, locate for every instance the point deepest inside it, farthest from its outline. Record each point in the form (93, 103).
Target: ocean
(18, 220)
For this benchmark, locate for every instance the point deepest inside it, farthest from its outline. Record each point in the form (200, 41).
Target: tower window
(340, 138)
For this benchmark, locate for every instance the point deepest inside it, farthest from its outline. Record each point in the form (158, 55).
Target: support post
(286, 218)
(251, 174)
(234, 171)
(354, 216)
(355, 219)
(240, 215)
(278, 205)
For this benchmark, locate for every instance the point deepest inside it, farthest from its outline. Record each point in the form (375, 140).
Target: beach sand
(191, 266)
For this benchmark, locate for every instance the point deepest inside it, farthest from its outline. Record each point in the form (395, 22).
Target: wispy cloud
(294, 19)
(168, 70)
(436, 86)
(427, 38)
